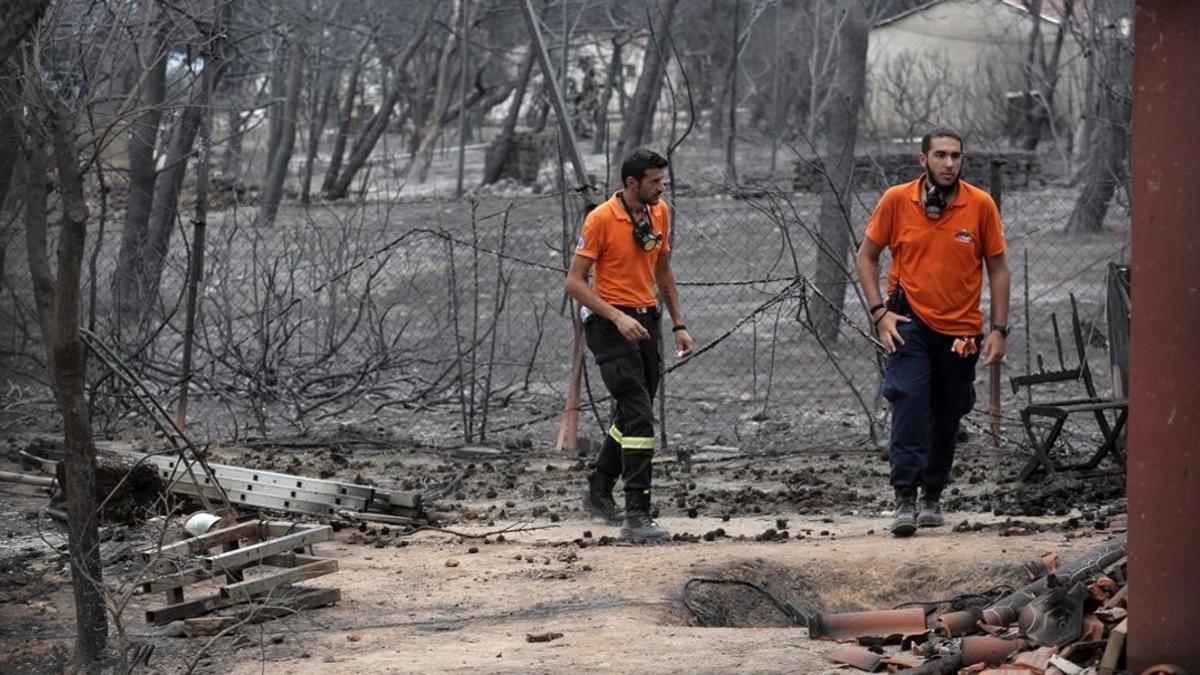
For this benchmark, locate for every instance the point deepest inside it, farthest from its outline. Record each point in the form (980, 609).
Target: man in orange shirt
(626, 243)
(941, 232)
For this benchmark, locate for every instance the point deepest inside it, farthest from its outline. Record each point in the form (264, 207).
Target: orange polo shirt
(939, 263)
(624, 273)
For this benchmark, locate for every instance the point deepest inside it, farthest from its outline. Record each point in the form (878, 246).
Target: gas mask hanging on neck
(935, 199)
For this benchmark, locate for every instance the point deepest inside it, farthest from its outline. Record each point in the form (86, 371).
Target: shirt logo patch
(963, 236)
(581, 243)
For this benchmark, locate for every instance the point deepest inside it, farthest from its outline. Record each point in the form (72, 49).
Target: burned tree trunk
(345, 119)
(600, 142)
(418, 170)
(231, 161)
(278, 83)
(277, 173)
(9, 141)
(731, 85)
(638, 124)
(375, 128)
(128, 281)
(316, 126)
(170, 180)
(1041, 76)
(58, 303)
(378, 124)
(1107, 164)
(841, 125)
(503, 144)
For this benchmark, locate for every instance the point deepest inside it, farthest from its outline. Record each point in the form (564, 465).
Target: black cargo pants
(631, 372)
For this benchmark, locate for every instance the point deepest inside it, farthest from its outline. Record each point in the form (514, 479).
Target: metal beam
(1164, 399)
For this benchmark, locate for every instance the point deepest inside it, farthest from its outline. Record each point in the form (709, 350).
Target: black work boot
(639, 526)
(599, 501)
(930, 514)
(905, 522)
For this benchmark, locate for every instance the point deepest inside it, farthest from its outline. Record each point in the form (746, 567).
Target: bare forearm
(670, 295)
(999, 283)
(868, 277)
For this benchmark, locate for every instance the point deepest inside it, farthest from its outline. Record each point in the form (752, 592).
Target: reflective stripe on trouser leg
(608, 462)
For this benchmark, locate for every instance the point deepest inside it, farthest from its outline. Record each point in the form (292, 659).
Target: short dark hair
(940, 132)
(638, 161)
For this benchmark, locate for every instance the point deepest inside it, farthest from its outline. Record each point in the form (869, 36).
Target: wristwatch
(1002, 330)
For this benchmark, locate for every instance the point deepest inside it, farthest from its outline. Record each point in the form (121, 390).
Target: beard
(647, 197)
(931, 179)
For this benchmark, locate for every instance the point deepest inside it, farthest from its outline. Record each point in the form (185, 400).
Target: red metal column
(1164, 417)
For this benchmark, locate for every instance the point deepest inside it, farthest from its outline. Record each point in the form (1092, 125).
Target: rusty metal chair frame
(1060, 410)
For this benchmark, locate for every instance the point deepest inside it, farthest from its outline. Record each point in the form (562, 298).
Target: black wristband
(875, 307)
(676, 329)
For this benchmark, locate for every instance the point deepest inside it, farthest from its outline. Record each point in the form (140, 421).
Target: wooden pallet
(221, 558)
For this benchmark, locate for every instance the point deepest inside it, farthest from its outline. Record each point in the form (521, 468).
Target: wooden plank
(253, 554)
(203, 626)
(303, 598)
(201, 544)
(246, 590)
(189, 608)
(177, 580)
(289, 559)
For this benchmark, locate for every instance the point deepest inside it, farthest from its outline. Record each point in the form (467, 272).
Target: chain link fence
(443, 323)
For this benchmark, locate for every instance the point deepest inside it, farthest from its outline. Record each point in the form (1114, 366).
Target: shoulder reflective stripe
(615, 433)
(637, 443)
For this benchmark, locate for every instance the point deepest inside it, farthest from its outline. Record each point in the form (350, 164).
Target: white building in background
(960, 63)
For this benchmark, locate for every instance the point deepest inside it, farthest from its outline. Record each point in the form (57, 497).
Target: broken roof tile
(962, 622)
(857, 657)
(852, 625)
(988, 650)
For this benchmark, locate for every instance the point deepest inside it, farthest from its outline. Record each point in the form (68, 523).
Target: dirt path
(618, 607)
(425, 603)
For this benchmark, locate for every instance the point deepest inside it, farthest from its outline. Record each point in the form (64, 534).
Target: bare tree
(637, 125)
(144, 250)
(501, 148)
(911, 87)
(611, 79)
(1106, 167)
(841, 131)
(1042, 73)
(345, 119)
(279, 160)
(443, 85)
(143, 172)
(378, 124)
(49, 133)
(57, 293)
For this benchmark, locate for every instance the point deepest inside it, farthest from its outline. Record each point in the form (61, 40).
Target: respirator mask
(643, 231)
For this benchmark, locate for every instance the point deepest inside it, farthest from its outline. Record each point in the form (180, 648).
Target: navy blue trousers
(930, 388)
